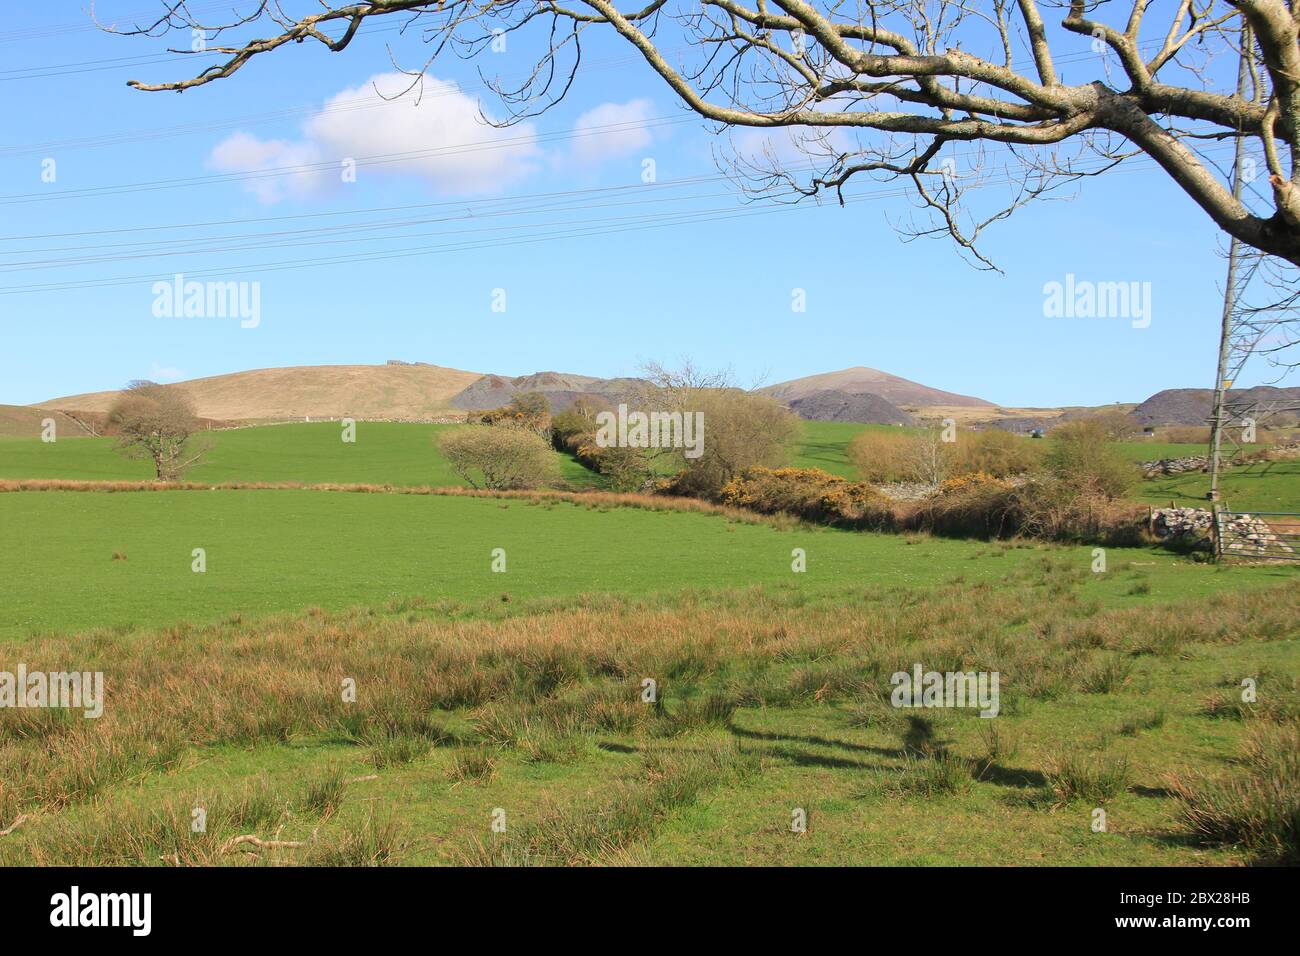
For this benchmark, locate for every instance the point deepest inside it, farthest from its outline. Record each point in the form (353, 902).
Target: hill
(560, 388)
(1192, 406)
(860, 380)
(24, 421)
(395, 390)
(832, 405)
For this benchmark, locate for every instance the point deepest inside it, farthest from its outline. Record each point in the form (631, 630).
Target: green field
(394, 453)
(1265, 486)
(825, 445)
(270, 551)
(1139, 451)
(771, 698)
(479, 693)
(403, 454)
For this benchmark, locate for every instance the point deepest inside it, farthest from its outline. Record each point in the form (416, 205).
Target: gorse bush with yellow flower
(808, 493)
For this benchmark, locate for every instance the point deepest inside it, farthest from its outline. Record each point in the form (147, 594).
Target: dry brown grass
(552, 673)
(25, 422)
(321, 391)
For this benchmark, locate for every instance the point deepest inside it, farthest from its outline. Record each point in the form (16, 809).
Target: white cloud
(242, 153)
(612, 130)
(432, 132)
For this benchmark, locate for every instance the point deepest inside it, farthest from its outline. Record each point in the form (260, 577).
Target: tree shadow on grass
(1011, 776)
(804, 758)
(1160, 793)
(813, 741)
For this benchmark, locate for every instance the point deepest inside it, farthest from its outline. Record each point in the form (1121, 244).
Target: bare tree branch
(891, 88)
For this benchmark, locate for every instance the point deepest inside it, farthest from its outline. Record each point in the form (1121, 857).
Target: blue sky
(716, 287)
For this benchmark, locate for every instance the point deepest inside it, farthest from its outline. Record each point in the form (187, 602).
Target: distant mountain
(560, 389)
(1192, 406)
(394, 390)
(418, 390)
(870, 381)
(832, 405)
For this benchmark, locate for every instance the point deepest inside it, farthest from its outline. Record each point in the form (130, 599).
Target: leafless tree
(886, 88)
(931, 458)
(156, 422)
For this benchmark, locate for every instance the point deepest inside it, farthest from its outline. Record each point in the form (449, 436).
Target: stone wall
(1246, 535)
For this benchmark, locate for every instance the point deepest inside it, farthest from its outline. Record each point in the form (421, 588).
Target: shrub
(628, 469)
(882, 456)
(976, 505)
(530, 411)
(973, 483)
(499, 458)
(995, 453)
(806, 492)
(1187, 435)
(742, 430)
(573, 427)
(1056, 508)
(1116, 425)
(1081, 458)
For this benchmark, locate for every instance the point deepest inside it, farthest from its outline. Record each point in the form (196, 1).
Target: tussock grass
(473, 765)
(1277, 698)
(324, 796)
(929, 775)
(1000, 742)
(595, 833)
(549, 685)
(1094, 778)
(558, 672)
(1148, 720)
(165, 833)
(1105, 676)
(376, 841)
(1256, 805)
(397, 751)
(872, 712)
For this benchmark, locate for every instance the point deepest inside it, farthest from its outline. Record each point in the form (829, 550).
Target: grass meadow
(405, 454)
(349, 682)
(394, 453)
(769, 701)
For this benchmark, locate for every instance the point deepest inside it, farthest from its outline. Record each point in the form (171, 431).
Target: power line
(381, 159)
(372, 209)
(277, 240)
(498, 207)
(707, 216)
(86, 25)
(587, 228)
